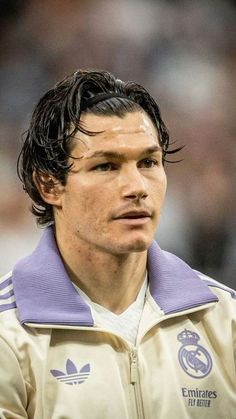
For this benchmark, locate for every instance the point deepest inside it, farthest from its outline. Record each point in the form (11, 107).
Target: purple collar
(45, 294)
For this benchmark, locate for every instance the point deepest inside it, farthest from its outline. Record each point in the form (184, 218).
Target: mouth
(134, 217)
(134, 214)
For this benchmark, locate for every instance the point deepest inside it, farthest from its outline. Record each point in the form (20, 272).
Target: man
(99, 322)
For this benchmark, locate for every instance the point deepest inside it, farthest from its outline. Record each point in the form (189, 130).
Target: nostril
(137, 196)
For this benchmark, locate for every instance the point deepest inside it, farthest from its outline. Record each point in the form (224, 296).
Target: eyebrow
(120, 156)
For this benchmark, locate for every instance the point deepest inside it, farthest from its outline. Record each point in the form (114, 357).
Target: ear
(49, 188)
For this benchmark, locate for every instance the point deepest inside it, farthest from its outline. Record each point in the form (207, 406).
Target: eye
(148, 163)
(104, 167)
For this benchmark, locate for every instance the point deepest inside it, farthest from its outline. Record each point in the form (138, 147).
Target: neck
(112, 281)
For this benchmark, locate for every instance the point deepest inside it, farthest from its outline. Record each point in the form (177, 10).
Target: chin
(138, 245)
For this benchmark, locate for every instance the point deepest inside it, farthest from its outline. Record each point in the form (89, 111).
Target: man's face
(115, 189)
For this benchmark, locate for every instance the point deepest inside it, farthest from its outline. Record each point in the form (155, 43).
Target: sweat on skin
(107, 213)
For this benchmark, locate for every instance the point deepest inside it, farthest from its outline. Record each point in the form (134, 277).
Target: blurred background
(183, 52)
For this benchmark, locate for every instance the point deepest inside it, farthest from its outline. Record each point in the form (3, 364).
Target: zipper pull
(133, 366)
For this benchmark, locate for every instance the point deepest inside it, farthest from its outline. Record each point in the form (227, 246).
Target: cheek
(88, 202)
(159, 188)
(163, 182)
(164, 185)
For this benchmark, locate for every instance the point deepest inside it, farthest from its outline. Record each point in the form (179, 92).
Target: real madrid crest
(193, 358)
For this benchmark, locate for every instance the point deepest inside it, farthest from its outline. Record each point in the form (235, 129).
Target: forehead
(135, 129)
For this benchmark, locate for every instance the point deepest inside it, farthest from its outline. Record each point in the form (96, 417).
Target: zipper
(134, 380)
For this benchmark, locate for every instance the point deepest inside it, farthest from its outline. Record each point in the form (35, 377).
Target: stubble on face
(96, 193)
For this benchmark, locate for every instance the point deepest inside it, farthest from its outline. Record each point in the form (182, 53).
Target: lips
(133, 219)
(133, 215)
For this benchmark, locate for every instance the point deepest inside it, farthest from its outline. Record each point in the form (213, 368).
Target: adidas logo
(72, 375)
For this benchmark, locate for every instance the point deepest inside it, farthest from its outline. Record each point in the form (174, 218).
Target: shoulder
(226, 296)
(9, 322)
(7, 298)
(217, 286)
(10, 327)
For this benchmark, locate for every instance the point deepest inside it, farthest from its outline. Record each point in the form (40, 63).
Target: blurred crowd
(183, 52)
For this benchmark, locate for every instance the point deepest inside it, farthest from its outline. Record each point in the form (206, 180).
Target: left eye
(147, 163)
(104, 167)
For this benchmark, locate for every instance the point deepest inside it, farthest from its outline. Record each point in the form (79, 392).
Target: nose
(132, 184)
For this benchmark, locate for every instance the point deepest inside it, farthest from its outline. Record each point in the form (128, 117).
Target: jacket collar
(45, 294)
(173, 284)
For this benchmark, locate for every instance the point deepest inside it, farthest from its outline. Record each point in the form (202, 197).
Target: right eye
(104, 167)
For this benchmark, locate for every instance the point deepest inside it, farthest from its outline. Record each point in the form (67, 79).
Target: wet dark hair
(56, 119)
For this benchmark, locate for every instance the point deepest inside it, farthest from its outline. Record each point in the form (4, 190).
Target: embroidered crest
(72, 375)
(193, 358)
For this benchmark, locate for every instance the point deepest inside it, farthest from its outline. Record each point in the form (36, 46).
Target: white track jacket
(55, 363)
